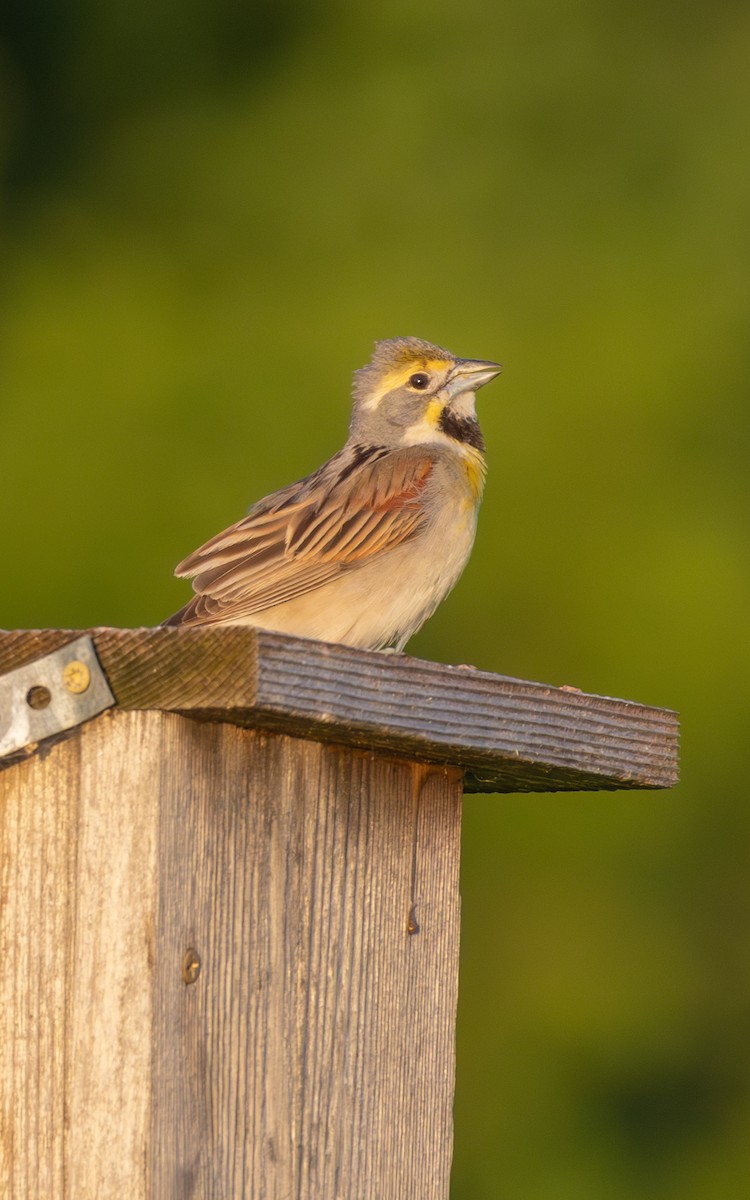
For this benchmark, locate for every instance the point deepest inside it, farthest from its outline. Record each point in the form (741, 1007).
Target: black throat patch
(462, 429)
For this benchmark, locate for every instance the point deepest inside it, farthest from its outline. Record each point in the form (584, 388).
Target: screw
(76, 677)
(191, 966)
(38, 697)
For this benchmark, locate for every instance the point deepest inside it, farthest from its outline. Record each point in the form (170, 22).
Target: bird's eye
(419, 381)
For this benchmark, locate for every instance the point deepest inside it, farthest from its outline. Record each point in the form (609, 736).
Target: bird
(362, 551)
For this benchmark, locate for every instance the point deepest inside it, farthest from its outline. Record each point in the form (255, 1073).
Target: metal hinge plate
(50, 695)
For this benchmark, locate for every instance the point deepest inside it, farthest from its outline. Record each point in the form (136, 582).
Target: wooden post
(230, 911)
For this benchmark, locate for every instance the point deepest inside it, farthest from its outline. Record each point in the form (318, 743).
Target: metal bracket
(53, 694)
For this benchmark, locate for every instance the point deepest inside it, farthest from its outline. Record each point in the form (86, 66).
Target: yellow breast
(476, 471)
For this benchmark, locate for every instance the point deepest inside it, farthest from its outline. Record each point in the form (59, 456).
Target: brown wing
(308, 534)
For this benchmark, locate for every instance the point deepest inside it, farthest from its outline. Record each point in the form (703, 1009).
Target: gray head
(415, 392)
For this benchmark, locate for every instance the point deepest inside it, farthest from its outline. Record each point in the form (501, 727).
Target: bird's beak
(469, 374)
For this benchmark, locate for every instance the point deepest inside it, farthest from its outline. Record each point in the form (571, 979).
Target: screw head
(38, 697)
(76, 677)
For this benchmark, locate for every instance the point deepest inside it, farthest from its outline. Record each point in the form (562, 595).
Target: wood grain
(313, 1055)
(78, 854)
(505, 734)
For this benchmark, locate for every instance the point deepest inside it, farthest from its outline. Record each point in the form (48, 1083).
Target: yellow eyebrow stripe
(399, 376)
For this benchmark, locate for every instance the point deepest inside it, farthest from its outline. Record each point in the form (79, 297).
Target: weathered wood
(313, 1055)
(230, 909)
(507, 735)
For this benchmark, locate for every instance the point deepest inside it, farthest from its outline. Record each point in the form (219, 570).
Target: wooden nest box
(230, 903)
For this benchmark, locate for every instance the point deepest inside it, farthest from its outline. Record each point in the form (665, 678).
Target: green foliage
(208, 216)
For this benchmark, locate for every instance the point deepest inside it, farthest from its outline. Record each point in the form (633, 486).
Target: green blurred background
(209, 212)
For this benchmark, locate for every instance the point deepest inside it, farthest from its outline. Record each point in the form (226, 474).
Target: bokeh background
(209, 210)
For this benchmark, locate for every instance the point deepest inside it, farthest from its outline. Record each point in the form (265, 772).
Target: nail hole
(38, 697)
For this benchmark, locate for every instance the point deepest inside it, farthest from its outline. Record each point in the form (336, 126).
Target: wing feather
(308, 534)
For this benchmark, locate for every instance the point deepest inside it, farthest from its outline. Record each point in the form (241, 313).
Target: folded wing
(360, 505)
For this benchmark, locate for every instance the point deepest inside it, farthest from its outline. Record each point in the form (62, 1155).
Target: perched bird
(363, 550)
